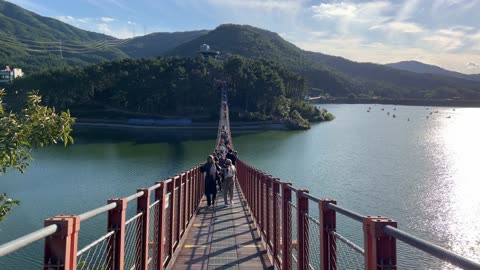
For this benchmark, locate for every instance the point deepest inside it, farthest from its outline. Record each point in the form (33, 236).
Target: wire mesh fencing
(153, 235)
(133, 241)
(293, 230)
(97, 255)
(314, 242)
(166, 228)
(270, 214)
(279, 231)
(348, 254)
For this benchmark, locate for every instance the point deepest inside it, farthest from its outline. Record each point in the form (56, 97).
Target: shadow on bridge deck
(223, 237)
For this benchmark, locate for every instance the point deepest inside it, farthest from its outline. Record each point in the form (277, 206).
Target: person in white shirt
(229, 176)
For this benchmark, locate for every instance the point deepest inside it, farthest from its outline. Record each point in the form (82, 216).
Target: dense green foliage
(32, 127)
(173, 87)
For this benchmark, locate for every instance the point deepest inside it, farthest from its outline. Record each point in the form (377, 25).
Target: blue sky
(439, 32)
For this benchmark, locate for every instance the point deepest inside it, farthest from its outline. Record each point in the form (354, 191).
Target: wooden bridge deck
(222, 237)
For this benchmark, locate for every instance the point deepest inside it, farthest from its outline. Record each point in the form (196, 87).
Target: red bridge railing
(147, 240)
(300, 232)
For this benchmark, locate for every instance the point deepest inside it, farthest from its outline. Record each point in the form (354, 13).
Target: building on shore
(8, 74)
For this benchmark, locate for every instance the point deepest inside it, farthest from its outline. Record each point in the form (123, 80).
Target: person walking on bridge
(230, 174)
(211, 170)
(231, 156)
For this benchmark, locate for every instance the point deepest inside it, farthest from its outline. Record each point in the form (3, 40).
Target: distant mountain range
(419, 67)
(33, 42)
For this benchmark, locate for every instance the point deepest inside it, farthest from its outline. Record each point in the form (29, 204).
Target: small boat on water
(383, 109)
(436, 111)
(388, 113)
(408, 119)
(428, 116)
(431, 113)
(394, 109)
(449, 116)
(394, 116)
(454, 109)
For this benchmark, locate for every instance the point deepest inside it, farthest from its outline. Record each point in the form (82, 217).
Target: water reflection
(461, 140)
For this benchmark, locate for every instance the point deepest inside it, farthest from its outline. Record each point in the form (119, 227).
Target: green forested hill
(32, 42)
(157, 44)
(336, 76)
(252, 42)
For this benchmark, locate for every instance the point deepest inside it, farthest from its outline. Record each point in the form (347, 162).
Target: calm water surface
(424, 173)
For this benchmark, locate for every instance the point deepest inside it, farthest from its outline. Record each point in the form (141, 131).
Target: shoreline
(407, 102)
(267, 125)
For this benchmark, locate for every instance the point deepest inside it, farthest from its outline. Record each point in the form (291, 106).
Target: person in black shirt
(231, 156)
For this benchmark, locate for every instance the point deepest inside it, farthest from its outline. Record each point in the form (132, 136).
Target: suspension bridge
(271, 225)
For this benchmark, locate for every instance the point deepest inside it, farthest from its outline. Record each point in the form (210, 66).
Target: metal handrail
(431, 249)
(134, 196)
(97, 211)
(311, 197)
(152, 188)
(349, 213)
(18, 243)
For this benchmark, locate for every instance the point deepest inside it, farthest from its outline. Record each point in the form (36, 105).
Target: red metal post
(268, 203)
(286, 227)
(160, 194)
(171, 229)
(262, 203)
(276, 217)
(380, 248)
(302, 230)
(116, 223)
(195, 190)
(258, 185)
(143, 204)
(178, 210)
(328, 245)
(191, 194)
(183, 206)
(61, 247)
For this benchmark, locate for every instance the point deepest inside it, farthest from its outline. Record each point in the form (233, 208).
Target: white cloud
(285, 5)
(403, 27)
(407, 9)
(365, 12)
(443, 43)
(73, 20)
(107, 19)
(104, 28)
(451, 33)
(471, 64)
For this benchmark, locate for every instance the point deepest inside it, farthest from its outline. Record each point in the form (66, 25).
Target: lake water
(423, 173)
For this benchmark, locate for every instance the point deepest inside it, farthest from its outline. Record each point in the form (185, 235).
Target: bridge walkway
(223, 237)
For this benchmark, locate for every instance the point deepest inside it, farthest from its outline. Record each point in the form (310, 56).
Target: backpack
(230, 172)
